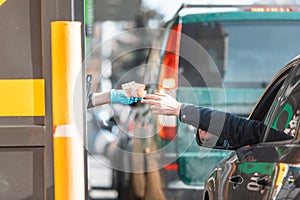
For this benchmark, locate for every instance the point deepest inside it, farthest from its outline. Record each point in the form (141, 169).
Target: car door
(258, 168)
(254, 168)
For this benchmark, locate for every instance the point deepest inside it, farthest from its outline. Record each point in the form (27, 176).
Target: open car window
(286, 108)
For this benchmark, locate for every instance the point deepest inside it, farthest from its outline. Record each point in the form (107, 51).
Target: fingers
(156, 96)
(149, 101)
(161, 103)
(161, 94)
(152, 96)
(156, 105)
(159, 110)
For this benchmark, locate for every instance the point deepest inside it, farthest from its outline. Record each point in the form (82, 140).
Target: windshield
(247, 54)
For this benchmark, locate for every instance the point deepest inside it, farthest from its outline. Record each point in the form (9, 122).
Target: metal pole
(69, 183)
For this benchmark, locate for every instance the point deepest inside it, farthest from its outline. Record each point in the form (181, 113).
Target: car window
(287, 106)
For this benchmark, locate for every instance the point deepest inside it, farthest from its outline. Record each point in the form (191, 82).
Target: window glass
(242, 63)
(21, 58)
(20, 39)
(287, 108)
(22, 173)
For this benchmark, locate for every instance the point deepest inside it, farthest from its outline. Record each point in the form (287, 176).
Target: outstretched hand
(120, 96)
(162, 104)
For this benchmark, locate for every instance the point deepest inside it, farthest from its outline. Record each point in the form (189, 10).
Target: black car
(269, 170)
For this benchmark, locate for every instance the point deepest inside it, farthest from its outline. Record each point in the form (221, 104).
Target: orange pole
(68, 148)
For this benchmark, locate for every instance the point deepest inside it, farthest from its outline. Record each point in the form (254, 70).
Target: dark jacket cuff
(189, 115)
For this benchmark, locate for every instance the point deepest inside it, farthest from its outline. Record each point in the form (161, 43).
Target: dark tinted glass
(287, 112)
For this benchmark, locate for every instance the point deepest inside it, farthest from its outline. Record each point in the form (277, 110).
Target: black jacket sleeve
(236, 130)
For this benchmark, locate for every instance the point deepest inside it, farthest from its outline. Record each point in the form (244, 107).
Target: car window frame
(275, 90)
(282, 99)
(264, 103)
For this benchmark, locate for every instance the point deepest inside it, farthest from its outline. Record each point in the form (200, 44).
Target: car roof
(188, 9)
(197, 13)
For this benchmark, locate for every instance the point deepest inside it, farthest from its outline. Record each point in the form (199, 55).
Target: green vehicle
(214, 56)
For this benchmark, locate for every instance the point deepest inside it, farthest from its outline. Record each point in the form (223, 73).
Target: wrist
(112, 95)
(92, 97)
(119, 96)
(177, 111)
(100, 98)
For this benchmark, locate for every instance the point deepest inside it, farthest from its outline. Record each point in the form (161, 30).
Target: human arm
(164, 104)
(236, 130)
(112, 96)
(101, 98)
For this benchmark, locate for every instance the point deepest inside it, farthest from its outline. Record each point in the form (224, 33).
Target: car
(268, 170)
(202, 57)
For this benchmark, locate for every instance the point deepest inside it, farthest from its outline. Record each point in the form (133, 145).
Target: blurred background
(110, 26)
(119, 34)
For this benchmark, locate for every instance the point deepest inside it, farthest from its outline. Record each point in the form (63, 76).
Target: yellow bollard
(2, 2)
(69, 181)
